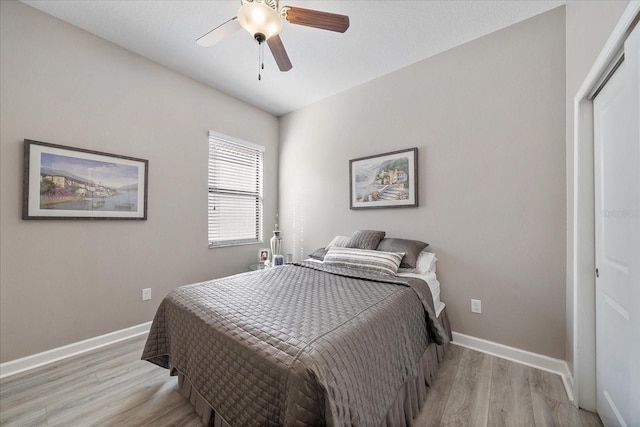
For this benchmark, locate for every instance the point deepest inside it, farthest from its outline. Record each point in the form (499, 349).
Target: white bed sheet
(432, 280)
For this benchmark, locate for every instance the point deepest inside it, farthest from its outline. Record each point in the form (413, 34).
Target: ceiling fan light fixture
(260, 20)
(263, 20)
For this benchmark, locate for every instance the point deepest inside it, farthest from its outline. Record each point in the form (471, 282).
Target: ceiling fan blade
(317, 19)
(279, 53)
(219, 33)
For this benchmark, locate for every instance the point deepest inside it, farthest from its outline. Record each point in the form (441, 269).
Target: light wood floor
(113, 387)
(476, 389)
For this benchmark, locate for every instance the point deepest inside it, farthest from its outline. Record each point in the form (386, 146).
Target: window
(235, 191)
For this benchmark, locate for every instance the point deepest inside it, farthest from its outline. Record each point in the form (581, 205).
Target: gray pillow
(411, 249)
(318, 254)
(365, 239)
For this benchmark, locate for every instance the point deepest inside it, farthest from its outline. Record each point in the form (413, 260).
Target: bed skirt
(403, 410)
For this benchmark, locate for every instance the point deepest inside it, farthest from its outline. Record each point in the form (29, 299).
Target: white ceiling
(384, 36)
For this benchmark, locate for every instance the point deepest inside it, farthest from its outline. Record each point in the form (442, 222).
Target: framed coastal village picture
(63, 182)
(388, 180)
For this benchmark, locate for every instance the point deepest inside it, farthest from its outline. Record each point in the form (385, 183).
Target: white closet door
(617, 199)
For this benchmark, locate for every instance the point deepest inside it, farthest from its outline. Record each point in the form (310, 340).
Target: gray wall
(488, 119)
(485, 117)
(65, 281)
(588, 26)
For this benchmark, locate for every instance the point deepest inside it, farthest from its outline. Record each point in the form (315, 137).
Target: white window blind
(235, 191)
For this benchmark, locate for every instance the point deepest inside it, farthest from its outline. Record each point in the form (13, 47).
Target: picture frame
(387, 180)
(263, 255)
(278, 260)
(69, 183)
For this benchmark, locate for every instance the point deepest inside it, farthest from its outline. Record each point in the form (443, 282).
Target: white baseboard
(528, 358)
(535, 360)
(13, 367)
(567, 380)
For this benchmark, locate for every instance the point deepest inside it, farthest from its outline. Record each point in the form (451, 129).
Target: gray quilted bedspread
(301, 344)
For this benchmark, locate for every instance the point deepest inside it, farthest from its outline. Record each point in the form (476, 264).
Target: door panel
(617, 204)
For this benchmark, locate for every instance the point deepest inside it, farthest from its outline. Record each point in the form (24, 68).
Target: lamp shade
(258, 18)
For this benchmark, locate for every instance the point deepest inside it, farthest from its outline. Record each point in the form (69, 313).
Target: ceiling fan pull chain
(260, 59)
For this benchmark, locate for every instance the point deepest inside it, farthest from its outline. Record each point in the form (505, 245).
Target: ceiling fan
(263, 20)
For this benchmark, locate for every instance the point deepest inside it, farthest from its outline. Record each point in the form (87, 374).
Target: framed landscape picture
(72, 183)
(388, 180)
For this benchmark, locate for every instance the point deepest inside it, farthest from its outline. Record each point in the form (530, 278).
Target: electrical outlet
(476, 306)
(146, 294)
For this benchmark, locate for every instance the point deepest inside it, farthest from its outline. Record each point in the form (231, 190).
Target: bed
(307, 343)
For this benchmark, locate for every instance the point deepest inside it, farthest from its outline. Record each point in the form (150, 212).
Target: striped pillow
(340, 241)
(364, 259)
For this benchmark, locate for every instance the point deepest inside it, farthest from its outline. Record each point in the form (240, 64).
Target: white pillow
(364, 259)
(339, 241)
(426, 262)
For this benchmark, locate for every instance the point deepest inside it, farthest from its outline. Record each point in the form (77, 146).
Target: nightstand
(257, 266)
